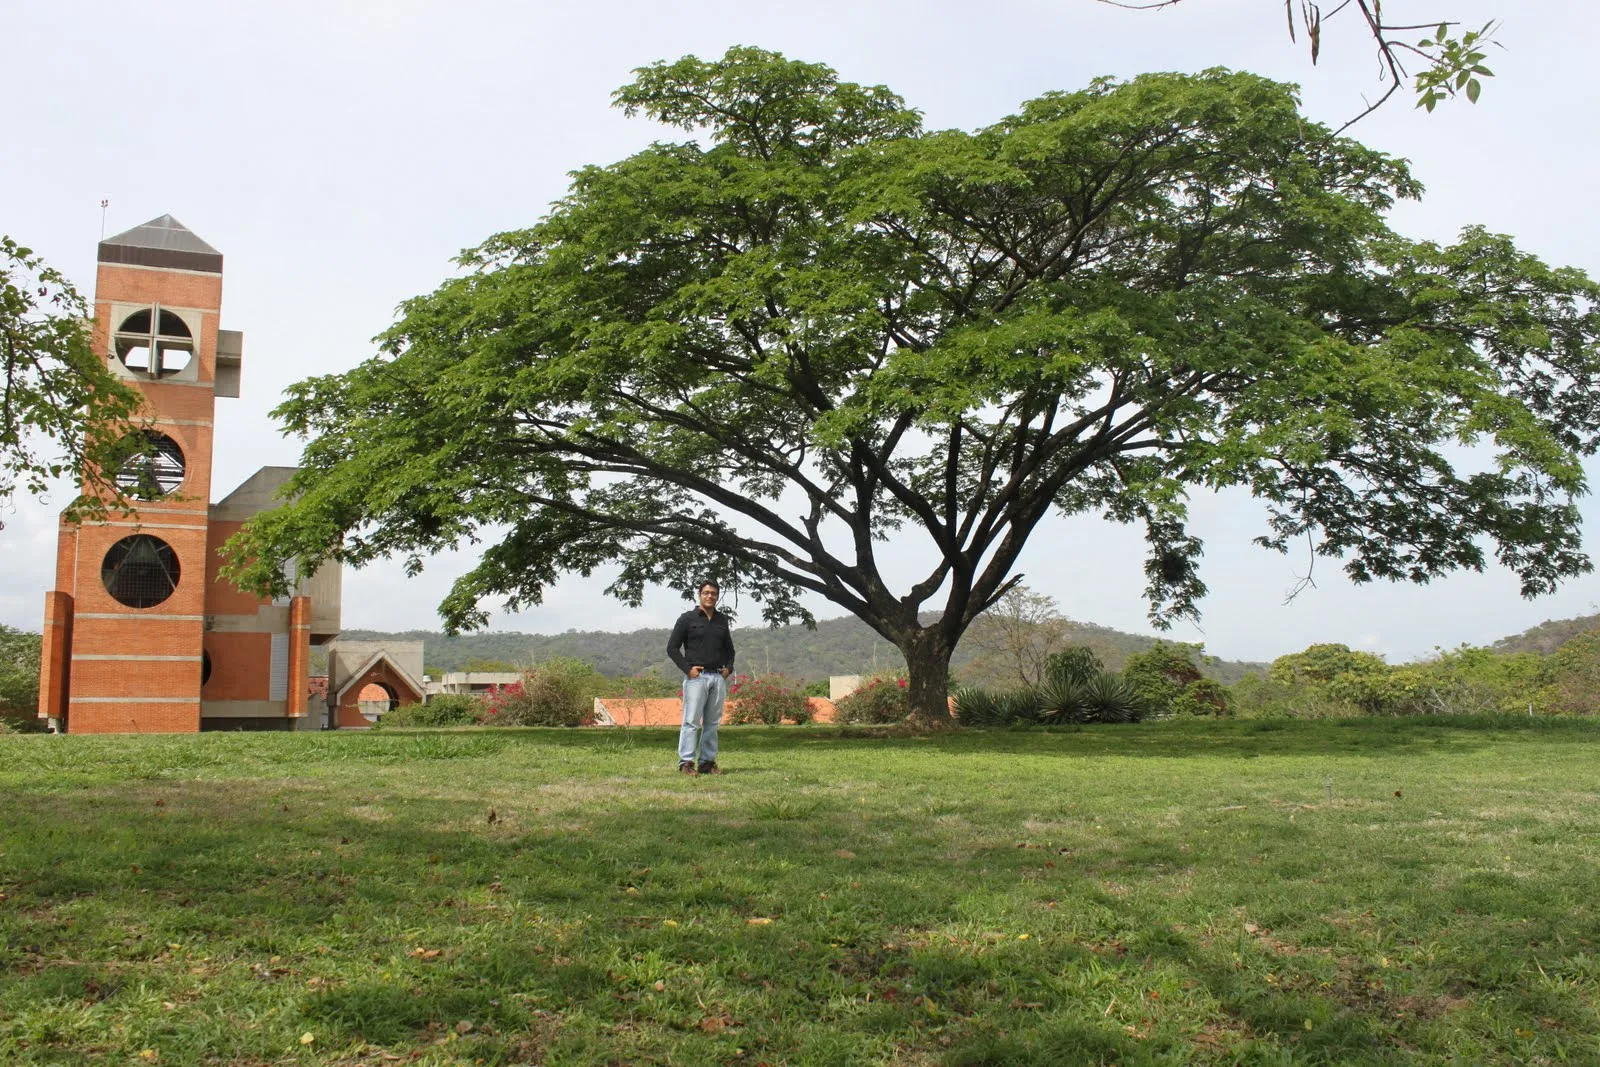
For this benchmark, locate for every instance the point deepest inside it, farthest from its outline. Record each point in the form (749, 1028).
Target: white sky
(339, 154)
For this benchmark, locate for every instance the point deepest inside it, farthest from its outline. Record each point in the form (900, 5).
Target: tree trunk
(928, 676)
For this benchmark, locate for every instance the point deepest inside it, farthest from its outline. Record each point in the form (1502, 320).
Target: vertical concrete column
(55, 658)
(299, 655)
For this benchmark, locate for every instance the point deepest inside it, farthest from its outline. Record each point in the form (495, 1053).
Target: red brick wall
(117, 281)
(224, 598)
(55, 656)
(135, 718)
(240, 666)
(66, 556)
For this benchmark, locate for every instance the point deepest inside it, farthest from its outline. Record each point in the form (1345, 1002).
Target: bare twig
(1450, 64)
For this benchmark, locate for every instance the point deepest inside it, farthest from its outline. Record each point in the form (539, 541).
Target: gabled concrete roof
(254, 495)
(360, 673)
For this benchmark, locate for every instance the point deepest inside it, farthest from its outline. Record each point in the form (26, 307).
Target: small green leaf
(1473, 88)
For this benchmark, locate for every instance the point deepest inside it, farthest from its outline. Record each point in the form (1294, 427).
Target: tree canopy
(815, 333)
(19, 673)
(62, 412)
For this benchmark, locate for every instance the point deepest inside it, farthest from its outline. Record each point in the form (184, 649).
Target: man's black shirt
(697, 641)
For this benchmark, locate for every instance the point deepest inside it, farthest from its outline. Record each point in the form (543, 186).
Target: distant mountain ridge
(1548, 636)
(837, 646)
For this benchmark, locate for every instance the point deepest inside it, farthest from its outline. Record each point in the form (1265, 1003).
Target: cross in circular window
(154, 342)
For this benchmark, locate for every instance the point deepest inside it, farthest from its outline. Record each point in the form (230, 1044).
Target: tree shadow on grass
(791, 913)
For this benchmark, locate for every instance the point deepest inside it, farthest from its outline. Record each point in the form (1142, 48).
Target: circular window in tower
(154, 466)
(140, 571)
(154, 342)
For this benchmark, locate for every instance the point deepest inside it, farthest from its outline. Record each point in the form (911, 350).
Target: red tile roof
(668, 711)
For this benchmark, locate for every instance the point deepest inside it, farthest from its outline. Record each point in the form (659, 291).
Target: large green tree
(816, 335)
(62, 412)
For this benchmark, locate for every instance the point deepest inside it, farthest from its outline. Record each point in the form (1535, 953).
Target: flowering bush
(551, 694)
(769, 699)
(879, 700)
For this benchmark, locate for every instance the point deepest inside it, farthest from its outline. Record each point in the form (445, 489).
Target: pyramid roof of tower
(161, 242)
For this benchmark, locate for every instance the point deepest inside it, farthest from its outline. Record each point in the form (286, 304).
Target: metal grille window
(154, 466)
(154, 342)
(140, 571)
(278, 669)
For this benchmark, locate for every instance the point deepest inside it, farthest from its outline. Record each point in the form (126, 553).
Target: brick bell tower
(129, 629)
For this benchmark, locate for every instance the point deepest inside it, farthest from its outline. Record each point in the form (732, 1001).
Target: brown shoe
(687, 767)
(710, 767)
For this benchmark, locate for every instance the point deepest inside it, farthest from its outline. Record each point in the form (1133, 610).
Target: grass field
(1377, 891)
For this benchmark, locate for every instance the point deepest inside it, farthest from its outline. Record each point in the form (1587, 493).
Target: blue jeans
(702, 714)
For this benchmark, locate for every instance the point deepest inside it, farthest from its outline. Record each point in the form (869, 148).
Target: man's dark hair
(701, 587)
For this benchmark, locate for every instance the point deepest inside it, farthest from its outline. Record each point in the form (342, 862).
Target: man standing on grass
(702, 648)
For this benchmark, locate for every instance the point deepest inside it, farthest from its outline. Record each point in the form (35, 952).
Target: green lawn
(1374, 891)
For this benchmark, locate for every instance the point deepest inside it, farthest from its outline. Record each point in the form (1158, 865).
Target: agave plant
(980, 707)
(1062, 701)
(1108, 698)
(1099, 698)
(1018, 705)
(976, 707)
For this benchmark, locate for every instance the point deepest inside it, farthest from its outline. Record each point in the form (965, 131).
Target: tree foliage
(1332, 679)
(62, 412)
(1168, 681)
(19, 673)
(1572, 676)
(763, 352)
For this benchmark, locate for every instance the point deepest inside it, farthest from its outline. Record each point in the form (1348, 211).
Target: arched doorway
(376, 698)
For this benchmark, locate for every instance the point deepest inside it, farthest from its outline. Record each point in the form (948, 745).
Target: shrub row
(1325, 680)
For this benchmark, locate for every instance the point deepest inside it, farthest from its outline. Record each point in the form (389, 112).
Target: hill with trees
(1548, 636)
(837, 646)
